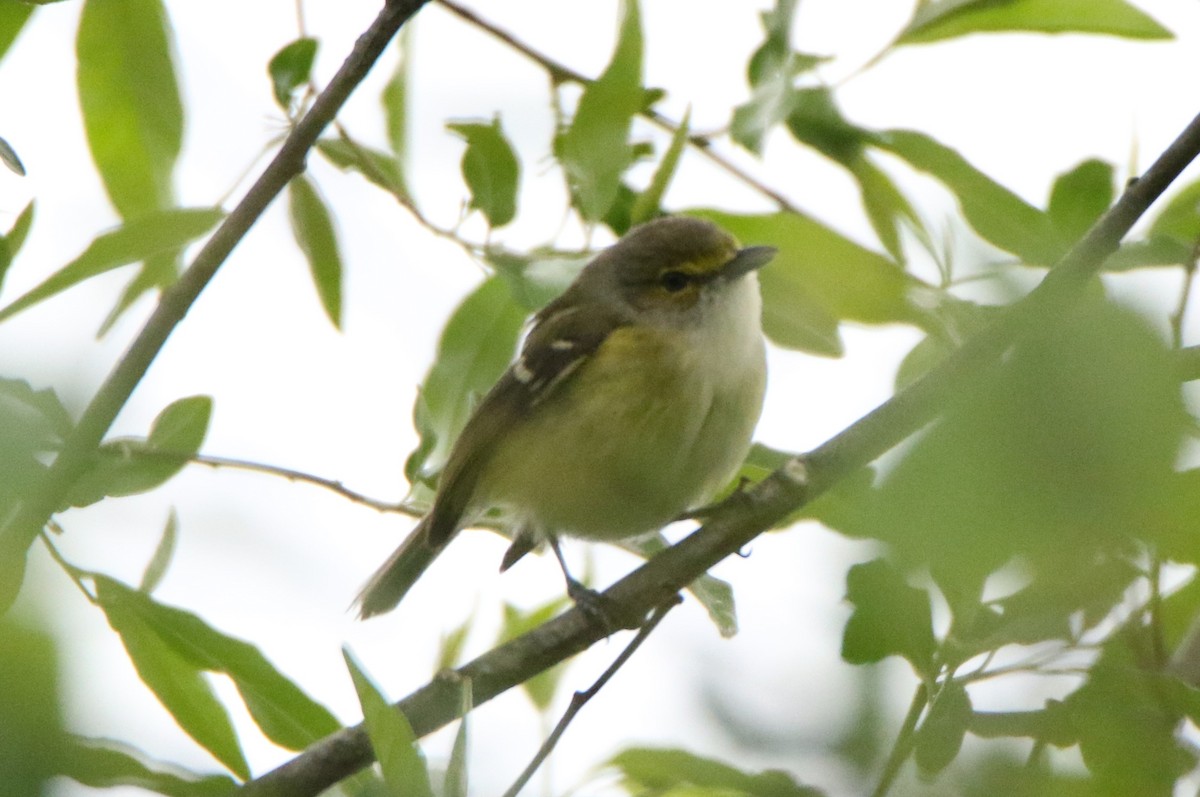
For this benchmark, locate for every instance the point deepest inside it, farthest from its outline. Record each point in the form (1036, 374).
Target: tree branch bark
(748, 514)
(19, 531)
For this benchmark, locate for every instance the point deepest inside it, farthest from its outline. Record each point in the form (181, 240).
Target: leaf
(890, 618)
(11, 243)
(392, 737)
(542, 687)
(31, 740)
(157, 566)
(477, 344)
(314, 232)
(394, 98)
(946, 19)
(1081, 196)
(378, 167)
(9, 157)
(665, 771)
(1126, 728)
(490, 169)
(999, 216)
(1180, 218)
(152, 234)
(129, 97)
(291, 68)
(284, 713)
(772, 72)
(177, 683)
(128, 467)
(13, 17)
(456, 781)
(1060, 455)
(105, 764)
(818, 279)
(37, 416)
(940, 736)
(450, 652)
(886, 206)
(594, 150)
(648, 203)
(715, 595)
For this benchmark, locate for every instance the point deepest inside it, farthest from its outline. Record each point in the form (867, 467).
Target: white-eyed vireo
(632, 401)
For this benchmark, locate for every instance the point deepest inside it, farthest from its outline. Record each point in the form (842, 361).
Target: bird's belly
(597, 463)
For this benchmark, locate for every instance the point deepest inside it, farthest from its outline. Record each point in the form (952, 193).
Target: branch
(19, 532)
(733, 524)
(561, 73)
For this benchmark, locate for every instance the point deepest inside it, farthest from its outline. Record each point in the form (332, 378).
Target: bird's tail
(391, 582)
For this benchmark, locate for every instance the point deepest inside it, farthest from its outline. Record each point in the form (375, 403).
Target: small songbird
(633, 400)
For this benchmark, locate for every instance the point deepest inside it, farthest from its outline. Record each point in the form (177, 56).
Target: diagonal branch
(19, 531)
(737, 522)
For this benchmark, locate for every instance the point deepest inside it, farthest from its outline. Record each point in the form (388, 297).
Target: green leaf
(1080, 196)
(818, 279)
(647, 205)
(477, 344)
(392, 737)
(105, 764)
(542, 687)
(129, 97)
(149, 235)
(31, 741)
(11, 243)
(1180, 218)
(450, 652)
(947, 19)
(9, 157)
(291, 68)
(37, 416)
(815, 120)
(394, 98)
(890, 618)
(13, 17)
(178, 683)
(887, 208)
(594, 150)
(378, 167)
(157, 566)
(1000, 217)
(941, 735)
(284, 713)
(313, 228)
(715, 595)
(772, 72)
(455, 783)
(490, 169)
(1126, 727)
(128, 467)
(665, 771)
(1061, 455)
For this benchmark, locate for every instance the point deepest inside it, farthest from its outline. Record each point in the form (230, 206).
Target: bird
(633, 399)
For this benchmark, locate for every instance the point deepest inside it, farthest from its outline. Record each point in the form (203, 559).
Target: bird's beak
(747, 260)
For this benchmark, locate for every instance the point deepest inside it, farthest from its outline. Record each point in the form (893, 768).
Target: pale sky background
(278, 563)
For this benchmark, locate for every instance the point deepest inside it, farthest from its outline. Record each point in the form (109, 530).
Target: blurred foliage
(1036, 514)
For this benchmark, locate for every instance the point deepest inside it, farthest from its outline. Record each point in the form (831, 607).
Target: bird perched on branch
(633, 400)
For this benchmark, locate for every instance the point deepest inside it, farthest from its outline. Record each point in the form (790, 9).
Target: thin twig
(580, 699)
(17, 536)
(308, 478)
(904, 742)
(561, 73)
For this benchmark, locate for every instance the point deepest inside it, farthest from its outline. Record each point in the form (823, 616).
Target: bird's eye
(674, 281)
